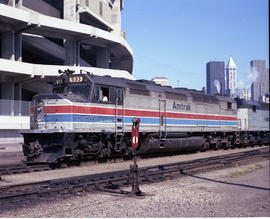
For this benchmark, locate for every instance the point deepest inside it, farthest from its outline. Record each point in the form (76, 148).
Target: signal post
(134, 167)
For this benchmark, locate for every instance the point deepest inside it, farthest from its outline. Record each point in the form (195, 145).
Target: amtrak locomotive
(91, 116)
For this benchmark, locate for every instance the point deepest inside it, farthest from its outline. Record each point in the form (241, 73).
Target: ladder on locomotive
(119, 125)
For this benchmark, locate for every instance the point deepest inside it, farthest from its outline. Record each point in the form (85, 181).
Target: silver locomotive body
(91, 115)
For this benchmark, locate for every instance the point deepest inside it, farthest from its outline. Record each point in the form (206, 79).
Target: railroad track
(24, 168)
(114, 181)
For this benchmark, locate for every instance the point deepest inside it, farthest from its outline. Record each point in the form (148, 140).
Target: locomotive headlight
(39, 108)
(59, 81)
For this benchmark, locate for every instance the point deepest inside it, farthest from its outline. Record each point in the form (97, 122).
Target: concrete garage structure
(40, 37)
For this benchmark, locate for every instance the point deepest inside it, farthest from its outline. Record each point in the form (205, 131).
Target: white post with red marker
(134, 167)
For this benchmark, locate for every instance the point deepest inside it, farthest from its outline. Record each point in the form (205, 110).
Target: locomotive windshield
(77, 88)
(82, 90)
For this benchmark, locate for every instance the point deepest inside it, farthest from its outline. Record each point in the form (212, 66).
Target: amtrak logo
(181, 106)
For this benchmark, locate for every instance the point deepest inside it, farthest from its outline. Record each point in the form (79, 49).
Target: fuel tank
(156, 145)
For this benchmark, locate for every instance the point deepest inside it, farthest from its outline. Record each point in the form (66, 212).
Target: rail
(113, 181)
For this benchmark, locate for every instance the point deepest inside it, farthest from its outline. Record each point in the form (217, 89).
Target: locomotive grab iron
(91, 116)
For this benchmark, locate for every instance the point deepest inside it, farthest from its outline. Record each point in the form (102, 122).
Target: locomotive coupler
(134, 170)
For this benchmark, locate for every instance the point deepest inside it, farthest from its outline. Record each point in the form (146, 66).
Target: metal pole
(135, 158)
(135, 170)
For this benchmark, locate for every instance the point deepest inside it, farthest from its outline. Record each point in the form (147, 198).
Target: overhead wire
(141, 57)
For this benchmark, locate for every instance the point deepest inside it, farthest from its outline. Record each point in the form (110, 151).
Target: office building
(215, 78)
(246, 94)
(40, 37)
(260, 87)
(231, 78)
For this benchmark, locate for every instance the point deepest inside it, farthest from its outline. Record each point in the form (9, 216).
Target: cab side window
(229, 105)
(102, 94)
(105, 94)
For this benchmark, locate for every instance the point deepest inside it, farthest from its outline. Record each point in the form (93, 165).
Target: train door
(162, 118)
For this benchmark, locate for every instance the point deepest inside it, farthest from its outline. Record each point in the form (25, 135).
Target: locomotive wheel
(205, 146)
(228, 145)
(218, 145)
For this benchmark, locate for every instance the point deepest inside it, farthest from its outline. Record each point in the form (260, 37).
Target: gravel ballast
(234, 192)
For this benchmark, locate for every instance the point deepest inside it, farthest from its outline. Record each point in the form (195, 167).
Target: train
(88, 116)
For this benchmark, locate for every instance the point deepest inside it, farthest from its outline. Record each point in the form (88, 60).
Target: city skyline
(168, 40)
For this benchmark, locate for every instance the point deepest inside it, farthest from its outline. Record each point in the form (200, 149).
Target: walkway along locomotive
(91, 116)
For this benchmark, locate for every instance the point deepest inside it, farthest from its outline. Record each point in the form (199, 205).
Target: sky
(176, 38)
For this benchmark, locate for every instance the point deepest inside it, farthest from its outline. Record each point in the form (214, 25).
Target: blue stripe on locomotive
(128, 120)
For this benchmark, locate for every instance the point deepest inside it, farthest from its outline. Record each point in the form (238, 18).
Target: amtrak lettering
(181, 106)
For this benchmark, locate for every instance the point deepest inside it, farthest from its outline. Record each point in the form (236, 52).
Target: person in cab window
(105, 99)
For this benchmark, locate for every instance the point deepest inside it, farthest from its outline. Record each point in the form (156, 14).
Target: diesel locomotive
(91, 116)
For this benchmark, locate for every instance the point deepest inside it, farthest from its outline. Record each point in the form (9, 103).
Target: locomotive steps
(113, 181)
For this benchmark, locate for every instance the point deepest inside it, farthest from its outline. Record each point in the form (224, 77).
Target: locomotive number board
(76, 79)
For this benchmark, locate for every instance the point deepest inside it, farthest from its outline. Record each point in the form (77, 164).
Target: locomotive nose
(44, 111)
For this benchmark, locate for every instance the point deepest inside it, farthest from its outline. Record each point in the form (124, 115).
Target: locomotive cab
(88, 88)
(77, 88)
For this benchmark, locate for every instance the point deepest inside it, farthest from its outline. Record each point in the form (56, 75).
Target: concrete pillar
(11, 46)
(8, 45)
(18, 91)
(70, 10)
(18, 97)
(18, 47)
(72, 53)
(19, 3)
(103, 56)
(116, 17)
(12, 3)
(72, 48)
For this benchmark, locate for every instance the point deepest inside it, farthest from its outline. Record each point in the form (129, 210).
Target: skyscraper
(215, 79)
(260, 87)
(245, 94)
(231, 78)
